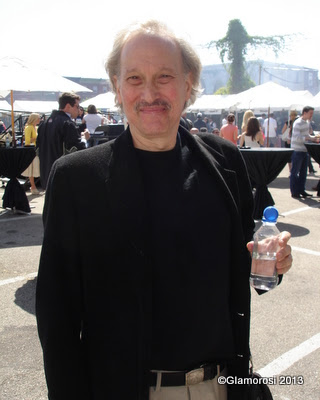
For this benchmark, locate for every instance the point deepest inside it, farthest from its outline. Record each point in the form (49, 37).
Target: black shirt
(189, 242)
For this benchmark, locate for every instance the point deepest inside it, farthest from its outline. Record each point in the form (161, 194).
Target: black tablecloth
(13, 161)
(264, 165)
(314, 151)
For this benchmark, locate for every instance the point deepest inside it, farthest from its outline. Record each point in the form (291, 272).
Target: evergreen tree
(235, 46)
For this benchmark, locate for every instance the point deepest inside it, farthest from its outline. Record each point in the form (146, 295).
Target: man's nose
(150, 92)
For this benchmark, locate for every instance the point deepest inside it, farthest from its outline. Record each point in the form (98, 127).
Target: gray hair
(190, 60)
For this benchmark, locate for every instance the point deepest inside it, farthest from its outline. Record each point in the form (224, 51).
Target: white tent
(258, 99)
(315, 102)
(269, 94)
(213, 104)
(103, 101)
(4, 106)
(35, 106)
(16, 75)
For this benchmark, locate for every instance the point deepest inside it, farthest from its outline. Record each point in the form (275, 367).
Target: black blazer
(93, 301)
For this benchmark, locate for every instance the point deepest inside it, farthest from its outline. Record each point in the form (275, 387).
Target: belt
(185, 378)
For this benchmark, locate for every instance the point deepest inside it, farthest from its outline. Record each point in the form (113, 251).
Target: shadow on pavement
(21, 233)
(280, 183)
(25, 296)
(295, 230)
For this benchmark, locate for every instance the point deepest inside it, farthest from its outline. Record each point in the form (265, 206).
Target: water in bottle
(266, 244)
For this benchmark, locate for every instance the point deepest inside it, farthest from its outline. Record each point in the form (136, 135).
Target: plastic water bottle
(7, 142)
(266, 244)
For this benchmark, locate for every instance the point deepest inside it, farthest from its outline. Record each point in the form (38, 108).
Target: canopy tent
(103, 101)
(4, 93)
(315, 102)
(269, 95)
(259, 99)
(16, 75)
(213, 103)
(4, 105)
(35, 106)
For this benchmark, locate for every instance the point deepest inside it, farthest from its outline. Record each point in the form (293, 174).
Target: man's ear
(117, 87)
(188, 86)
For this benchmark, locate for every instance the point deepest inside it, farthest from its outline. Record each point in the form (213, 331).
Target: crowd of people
(71, 128)
(262, 131)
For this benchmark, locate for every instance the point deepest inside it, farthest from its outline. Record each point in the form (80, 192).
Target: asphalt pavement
(285, 328)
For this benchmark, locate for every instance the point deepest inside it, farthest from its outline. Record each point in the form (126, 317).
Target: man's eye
(133, 79)
(165, 78)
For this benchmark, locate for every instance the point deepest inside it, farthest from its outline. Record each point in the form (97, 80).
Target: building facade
(294, 77)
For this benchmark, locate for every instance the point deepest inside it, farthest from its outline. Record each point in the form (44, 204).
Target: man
(300, 134)
(154, 275)
(199, 123)
(59, 134)
(270, 129)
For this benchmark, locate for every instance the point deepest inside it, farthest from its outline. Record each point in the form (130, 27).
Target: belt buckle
(195, 376)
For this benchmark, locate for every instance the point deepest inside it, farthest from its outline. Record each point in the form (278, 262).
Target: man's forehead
(140, 49)
(142, 41)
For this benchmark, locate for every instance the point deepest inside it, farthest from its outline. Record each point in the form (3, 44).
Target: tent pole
(268, 126)
(12, 120)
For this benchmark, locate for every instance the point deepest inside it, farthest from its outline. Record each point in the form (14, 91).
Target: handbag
(258, 389)
(286, 134)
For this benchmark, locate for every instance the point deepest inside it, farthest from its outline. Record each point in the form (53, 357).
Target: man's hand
(86, 134)
(284, 256)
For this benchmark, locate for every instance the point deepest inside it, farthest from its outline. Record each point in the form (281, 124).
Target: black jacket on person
(94, 292)
(199, 123)
(59, 132)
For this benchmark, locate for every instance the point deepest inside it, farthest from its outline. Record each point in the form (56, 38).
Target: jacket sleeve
(59, 296)
(72, 137)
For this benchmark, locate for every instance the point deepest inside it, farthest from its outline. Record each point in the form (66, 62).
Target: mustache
(157, 102)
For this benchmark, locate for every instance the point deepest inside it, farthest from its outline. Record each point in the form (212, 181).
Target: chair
(104, 133)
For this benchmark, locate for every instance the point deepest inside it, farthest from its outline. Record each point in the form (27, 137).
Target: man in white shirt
(300, 134)
(270, 125)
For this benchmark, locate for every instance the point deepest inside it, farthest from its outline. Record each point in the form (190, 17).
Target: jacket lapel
(224, 178)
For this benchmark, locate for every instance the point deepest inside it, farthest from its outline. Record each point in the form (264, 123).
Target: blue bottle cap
(270, 214)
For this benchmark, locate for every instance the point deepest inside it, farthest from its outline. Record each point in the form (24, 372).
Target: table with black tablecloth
(264, 165)
(314, 152)
(13, 161)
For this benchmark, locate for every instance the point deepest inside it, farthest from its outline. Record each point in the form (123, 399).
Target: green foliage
(234, 46)
(222, 90)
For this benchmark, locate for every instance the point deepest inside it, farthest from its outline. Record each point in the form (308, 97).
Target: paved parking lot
(285, 333)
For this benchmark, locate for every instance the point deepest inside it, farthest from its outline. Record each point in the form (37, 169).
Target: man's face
(309, 115)
(152, 87)
(74, 110)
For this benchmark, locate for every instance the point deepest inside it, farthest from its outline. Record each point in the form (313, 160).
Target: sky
(74, 38)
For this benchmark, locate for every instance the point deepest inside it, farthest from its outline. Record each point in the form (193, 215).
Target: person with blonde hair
(30, 138)
(248, 114)
(160, 309)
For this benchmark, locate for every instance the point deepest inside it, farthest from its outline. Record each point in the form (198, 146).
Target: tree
(235, 46)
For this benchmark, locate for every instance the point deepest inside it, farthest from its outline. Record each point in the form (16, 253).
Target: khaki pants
(207, 390)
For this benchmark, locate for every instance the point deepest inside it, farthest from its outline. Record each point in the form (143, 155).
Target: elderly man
(143, 287)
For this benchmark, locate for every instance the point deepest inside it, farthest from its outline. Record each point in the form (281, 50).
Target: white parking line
(298, 210)
(18, 278)
(287, 359)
